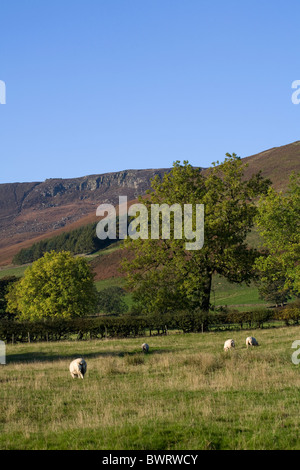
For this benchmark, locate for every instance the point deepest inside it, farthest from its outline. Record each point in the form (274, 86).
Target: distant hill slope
(30, 212)
(276, 163)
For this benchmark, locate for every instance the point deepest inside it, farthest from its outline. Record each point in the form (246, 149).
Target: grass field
(12, 271)
(185, 394)
(237, 296)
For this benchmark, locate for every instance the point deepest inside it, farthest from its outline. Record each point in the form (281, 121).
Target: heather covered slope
(30, 212)
(276, 163)
(33, 211)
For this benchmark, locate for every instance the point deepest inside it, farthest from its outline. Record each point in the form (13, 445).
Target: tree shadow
(40, 357)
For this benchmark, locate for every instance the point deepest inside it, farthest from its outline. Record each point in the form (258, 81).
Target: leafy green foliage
(111, 300)
(57, 285)
(273, 291)
(5, 284)
(290, 314)
(164, 276)
(278, 221)
(57, 329)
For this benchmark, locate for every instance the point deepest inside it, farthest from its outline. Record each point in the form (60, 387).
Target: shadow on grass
(40, 356)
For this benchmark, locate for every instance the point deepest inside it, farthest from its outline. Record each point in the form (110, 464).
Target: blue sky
(104, 85)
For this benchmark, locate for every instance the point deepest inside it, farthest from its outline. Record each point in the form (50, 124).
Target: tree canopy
(111, 300)
(278, 221)
(58, 285)
(5, 284)
(164, 275)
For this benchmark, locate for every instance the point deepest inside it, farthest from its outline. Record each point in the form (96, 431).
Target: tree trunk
(205, 302)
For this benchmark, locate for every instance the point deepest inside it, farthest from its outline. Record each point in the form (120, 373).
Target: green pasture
(187, 393)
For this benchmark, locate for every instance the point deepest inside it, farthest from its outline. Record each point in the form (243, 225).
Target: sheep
(251, 341)
(145, 347)
(78, 368)
(229, 344)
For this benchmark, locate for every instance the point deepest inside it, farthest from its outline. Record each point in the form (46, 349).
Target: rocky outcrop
(30, 209)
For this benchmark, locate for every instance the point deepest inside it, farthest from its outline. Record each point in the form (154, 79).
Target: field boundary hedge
(131, 326)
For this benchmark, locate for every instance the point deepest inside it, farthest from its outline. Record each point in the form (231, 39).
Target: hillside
(30, 212)
(276, 163)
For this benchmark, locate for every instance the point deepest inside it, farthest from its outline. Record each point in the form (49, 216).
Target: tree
(164, 275)
(57, 285)
(273, 290)
(111, 300)
(5, 284)
(278, 221)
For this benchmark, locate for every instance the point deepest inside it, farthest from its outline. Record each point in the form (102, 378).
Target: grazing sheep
(251, 341)
(145, 347)
(229, 344)
(78, 368)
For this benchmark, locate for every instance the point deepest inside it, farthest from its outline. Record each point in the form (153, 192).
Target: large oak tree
(164, 275)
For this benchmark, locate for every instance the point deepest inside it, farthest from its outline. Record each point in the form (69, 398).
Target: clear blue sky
(104, 85)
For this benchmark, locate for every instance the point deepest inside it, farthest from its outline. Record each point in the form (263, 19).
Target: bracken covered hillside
(277, 164)
(30, 212)
(33, 211)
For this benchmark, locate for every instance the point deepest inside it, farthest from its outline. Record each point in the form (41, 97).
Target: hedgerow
(100, 327)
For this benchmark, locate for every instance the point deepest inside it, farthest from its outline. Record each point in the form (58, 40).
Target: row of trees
(81, 240)
(163, 276)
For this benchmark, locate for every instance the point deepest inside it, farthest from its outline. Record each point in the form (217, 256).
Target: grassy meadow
(187, 393)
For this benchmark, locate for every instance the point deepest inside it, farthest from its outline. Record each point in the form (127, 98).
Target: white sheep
(145, 347)
(229, 343)
(78, 368)
(251, 341)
